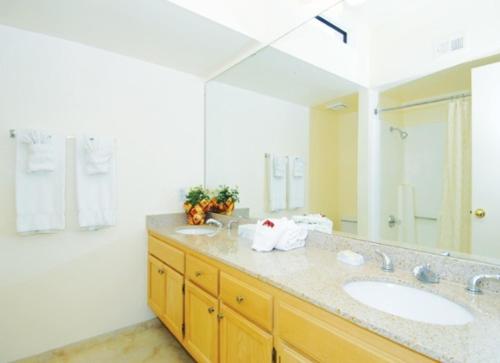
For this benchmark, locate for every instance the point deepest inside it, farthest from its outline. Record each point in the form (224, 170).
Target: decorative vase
(196, 214)
(226, 207)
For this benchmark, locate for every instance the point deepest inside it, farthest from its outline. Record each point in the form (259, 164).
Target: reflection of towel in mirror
(296, 183)
(276, 175)
(314, 222)
(282, 234)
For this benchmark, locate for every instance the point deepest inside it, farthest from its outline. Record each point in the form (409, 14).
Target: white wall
(60, 288)
(403, 47)
(248, 17)
(241, 127)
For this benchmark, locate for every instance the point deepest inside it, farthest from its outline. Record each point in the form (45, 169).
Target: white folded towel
(98, 154)
(40, 181)
(314, 222)
(277, 182)
(299, 166)
(267, 234)
(279, 166)
(282, 234)
(296, 183)
(95, 181)
(41, 155)
(293, 237)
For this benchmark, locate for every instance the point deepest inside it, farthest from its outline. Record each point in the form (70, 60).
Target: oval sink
(195, 230)
(408, 302)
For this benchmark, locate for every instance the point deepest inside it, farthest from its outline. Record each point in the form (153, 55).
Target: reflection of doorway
(333, 161)
(416, 206)
(485, 159)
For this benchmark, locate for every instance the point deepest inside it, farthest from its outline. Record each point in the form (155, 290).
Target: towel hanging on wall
(96, 181)
(40, 181)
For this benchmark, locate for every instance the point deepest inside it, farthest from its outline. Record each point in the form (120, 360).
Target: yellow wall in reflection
(333, 163)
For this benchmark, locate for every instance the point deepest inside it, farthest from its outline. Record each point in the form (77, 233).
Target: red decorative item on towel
(268, 223)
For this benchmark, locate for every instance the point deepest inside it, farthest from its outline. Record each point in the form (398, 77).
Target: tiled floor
(147, 343)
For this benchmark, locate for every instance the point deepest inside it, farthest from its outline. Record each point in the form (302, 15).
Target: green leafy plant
(196, 195)
(225, 193)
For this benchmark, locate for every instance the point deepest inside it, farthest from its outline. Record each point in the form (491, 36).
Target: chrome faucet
(386, 262)
(215, 222)
(425, 274)
(474, 281)
(231, 222)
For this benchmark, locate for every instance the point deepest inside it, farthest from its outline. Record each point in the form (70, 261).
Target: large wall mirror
(437, 143)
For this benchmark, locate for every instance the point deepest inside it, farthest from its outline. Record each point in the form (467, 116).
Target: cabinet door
(201, 337)
(242, 341)
(174, 302)
(156, 285)
(285, 354)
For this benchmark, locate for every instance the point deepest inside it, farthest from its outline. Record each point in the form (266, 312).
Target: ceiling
(449, 81)
(280, 75)
(155, 31)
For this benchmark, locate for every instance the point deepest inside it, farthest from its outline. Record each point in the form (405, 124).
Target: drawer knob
(198, 273)
(239, 299)
(161, 271)
(220, 316)
(211, 310)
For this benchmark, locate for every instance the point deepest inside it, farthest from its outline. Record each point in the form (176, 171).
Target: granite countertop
(314, 274)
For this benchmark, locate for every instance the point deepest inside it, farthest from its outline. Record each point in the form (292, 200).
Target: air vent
(452, 44)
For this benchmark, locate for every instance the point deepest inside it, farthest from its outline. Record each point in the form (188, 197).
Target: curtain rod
(421, 103)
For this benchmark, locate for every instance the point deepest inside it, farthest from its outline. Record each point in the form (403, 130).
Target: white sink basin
(408, 303)
(195, 230)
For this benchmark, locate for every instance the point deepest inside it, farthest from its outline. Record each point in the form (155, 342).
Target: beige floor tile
(147, 343)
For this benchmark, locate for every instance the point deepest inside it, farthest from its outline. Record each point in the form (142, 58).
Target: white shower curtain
(455, 231)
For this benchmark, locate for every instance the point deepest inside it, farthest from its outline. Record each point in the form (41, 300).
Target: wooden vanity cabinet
(165, 295)
(241, 340)
(202, 334)
(220, 314)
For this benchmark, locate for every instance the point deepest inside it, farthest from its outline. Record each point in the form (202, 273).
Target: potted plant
(197, 204)
(225, 199)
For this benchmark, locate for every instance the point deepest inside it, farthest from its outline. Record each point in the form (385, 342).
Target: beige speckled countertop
(314, 274)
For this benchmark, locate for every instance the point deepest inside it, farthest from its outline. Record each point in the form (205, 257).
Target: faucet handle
(474, 281)
(425, 274)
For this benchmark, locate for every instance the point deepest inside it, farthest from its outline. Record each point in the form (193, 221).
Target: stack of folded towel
(282, 234)
(314, 222)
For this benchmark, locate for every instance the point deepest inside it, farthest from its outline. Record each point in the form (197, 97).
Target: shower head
(402, 134)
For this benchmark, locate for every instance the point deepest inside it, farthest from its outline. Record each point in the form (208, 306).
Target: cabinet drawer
(342, 342)
(202, 274)
(249, 301)
(168, 254)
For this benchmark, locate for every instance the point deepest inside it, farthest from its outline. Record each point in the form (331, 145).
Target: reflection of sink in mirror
(195, 231)
(408, 302)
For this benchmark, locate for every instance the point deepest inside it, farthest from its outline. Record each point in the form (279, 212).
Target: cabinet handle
(198, 273)
(220, 316)
(161, 271)
(211, 310)
(239, 299)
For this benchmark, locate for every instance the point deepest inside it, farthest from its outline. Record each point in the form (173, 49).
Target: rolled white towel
(268, 233)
